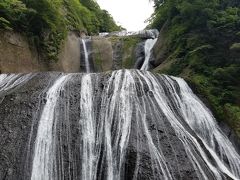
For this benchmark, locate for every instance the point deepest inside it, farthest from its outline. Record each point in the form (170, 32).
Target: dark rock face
(117, 55)
(231, 135)
(18, 110)
(160, 50)
(140, 55)
(119, 125)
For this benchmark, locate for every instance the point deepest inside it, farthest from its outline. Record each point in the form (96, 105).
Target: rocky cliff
(19, 55)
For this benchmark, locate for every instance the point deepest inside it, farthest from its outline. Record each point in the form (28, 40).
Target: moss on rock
(235, 47)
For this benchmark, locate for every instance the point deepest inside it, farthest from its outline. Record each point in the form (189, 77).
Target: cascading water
(129, 125)
(120, 125)
(150, 33)
(125, 124)
(88, 128)
(44, 161)
(10, 81)
(149, 44)
(86, 55)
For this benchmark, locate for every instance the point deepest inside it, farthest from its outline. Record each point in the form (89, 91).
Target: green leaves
(5, 24)
(203, 42)
(235, 47)
(14, 15)
(47, 21)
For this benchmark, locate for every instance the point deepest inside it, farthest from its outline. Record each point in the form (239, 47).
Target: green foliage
(235, 47)
(79, 17)
(234, 115)
(103, 19)
(107, 23)
(47, 21)
(129, 44)
(14, 14)
(227, 19)
(201, 48)
(201, 41)
(5, 24)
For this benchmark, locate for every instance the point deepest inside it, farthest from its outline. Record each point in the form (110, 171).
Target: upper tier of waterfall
(148, 34)
(86, 64)
(126, 124)
(86, 56)
(149, 44)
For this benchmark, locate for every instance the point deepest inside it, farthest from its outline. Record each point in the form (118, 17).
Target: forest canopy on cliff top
(47, 21)
(202, 44)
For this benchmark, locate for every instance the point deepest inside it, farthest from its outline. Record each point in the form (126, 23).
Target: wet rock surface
(18, 110)
(117, 55)
(231, 135)
(140, 55)
(126, 116)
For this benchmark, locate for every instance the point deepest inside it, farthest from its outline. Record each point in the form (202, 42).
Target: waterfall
(200, 119)
(129, 124)
(149, 33)
(86, 55)
(87, 123)
(11, 81)
(44, 161)
(149, 44)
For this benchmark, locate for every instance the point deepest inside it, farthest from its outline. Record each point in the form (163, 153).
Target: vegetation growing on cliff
(202, 39)
(47, 21)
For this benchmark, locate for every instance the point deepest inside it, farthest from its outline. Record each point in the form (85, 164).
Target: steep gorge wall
(113, 53)
(102, 54)
(69, 57)
(19, 56)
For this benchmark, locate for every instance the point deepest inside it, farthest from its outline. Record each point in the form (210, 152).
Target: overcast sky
(130, 14)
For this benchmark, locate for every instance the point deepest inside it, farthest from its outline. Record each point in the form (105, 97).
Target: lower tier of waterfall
(126, 124)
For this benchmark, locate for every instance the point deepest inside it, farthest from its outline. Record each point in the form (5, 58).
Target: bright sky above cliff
(130, 14)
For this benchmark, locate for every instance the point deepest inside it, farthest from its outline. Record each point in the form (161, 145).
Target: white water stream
(86, 55)
(149, 44)
(44, 161)
(131, 101)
